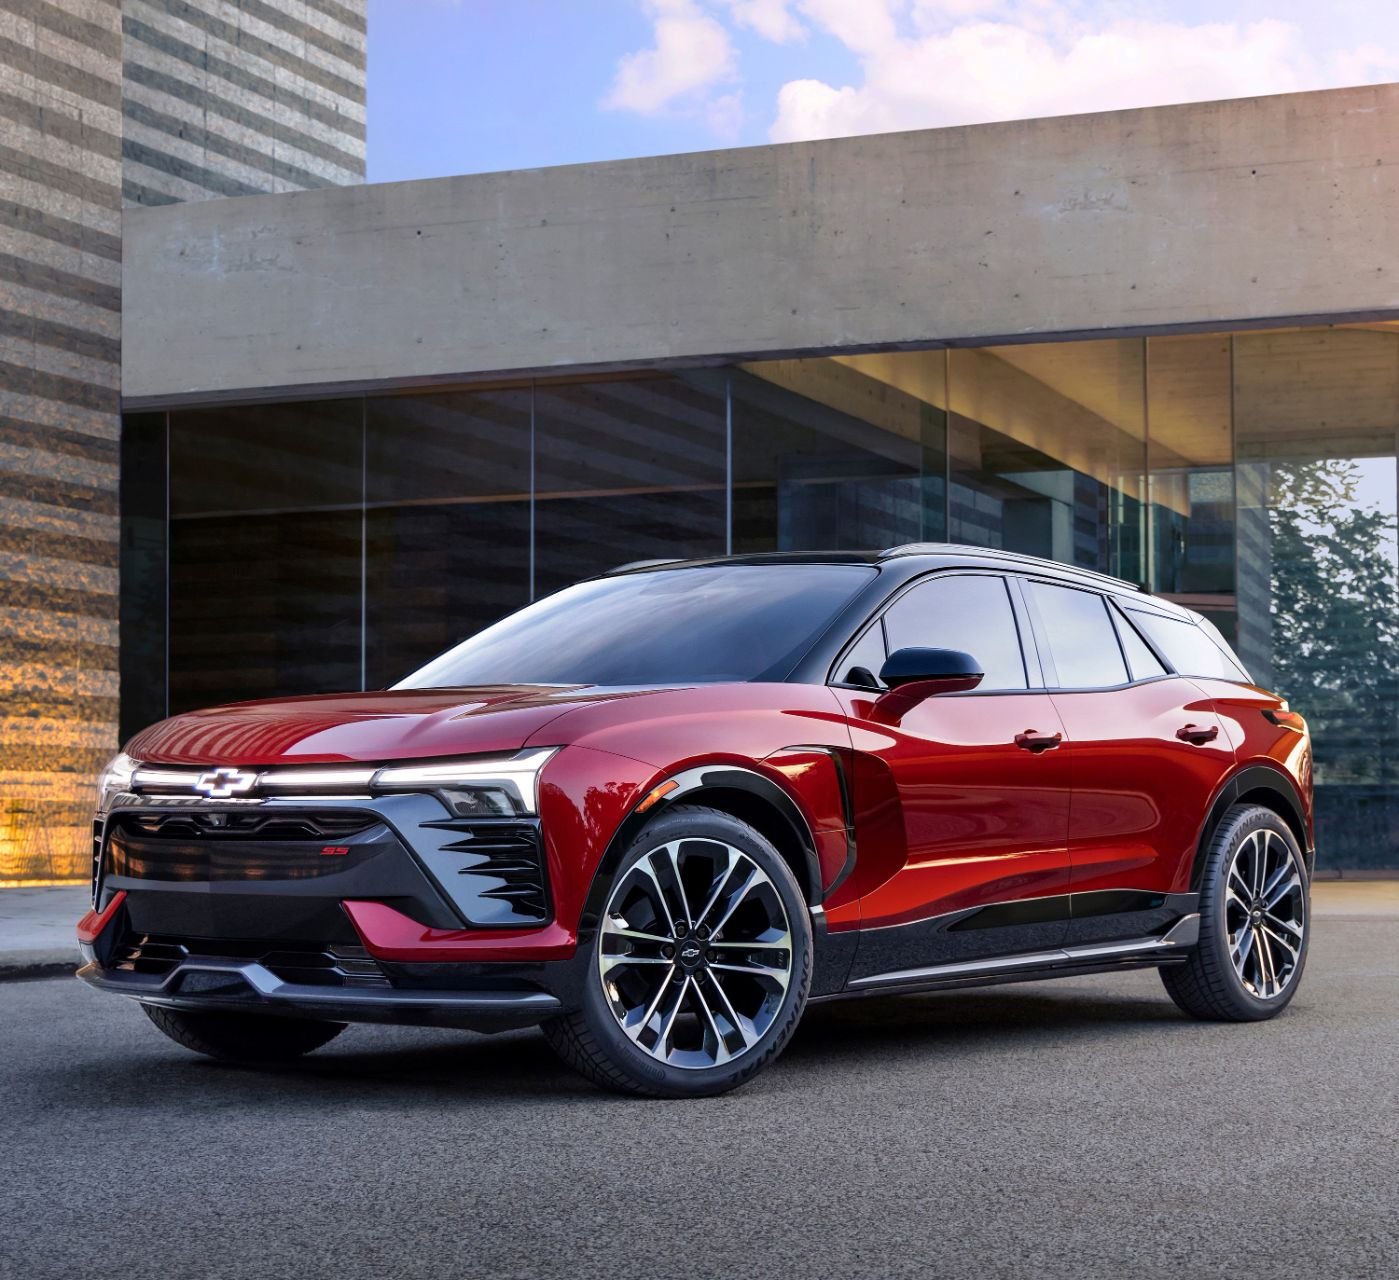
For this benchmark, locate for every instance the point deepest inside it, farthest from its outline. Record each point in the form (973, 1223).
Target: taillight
(1285, 719)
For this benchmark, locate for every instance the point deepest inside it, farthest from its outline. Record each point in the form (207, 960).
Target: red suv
(661, 811)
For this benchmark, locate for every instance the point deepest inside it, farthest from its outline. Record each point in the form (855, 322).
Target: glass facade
(319, 545)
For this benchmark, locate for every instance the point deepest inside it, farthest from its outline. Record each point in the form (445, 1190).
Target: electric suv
(660, 812)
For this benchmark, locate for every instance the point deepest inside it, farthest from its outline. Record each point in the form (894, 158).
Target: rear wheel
(701, 965)
(242, 1037)
(1254, 917)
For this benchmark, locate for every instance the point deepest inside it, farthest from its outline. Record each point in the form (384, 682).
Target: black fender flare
(1253, 778)
(691, 784)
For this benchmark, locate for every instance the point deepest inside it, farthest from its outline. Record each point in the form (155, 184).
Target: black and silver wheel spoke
(1265, 913)
(695, 953)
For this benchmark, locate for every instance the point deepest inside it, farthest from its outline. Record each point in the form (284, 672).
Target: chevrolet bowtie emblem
(219, 784)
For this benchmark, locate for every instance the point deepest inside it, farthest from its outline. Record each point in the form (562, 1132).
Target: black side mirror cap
(915, 674)
(916, 666)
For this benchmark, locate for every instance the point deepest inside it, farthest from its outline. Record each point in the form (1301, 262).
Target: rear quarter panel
(1257, 741)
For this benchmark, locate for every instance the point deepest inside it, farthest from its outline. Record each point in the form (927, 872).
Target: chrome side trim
(1185, 932)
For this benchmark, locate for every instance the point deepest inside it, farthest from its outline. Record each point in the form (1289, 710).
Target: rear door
(974, 785)
(1148, 754)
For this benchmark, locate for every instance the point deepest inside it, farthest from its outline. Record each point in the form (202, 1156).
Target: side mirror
(915, 674)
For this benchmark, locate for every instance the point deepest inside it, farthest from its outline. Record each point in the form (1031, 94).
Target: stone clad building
(105, 103)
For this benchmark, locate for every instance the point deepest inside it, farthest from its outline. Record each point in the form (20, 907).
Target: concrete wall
(60, 331)
(234, 97)
(1214, 214)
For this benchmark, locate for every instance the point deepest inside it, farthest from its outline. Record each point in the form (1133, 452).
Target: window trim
(1024, 637)
(1052, 684)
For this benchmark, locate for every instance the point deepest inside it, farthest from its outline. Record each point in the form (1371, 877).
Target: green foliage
(1335, 625)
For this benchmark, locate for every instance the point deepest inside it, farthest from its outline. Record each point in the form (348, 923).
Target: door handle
(1194, 734)
(1035, 741)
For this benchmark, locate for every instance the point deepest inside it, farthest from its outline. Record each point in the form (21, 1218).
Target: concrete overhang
(1249, 212)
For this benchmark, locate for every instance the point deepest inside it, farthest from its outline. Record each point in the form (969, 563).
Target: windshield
(668, 626)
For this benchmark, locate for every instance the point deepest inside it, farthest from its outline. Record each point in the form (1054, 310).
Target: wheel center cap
(1257, 914)
(689, 954)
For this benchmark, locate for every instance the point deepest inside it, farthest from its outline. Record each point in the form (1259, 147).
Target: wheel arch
(745, 794)
(1261, 785)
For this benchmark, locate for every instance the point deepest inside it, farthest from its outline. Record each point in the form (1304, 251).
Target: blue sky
(469, 86)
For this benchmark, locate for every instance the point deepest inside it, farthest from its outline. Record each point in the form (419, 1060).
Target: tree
(1335, 628)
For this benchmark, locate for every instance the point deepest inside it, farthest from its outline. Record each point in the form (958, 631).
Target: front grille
(261, 824)
(304, 964)
(498, 864)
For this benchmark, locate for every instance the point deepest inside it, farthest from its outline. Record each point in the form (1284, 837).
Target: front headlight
(115, 779)
(499, 788)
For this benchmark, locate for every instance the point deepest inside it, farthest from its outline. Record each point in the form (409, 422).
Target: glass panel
(142, 657)
(845, 453)
(1142, 663)
(866, 656)
(447, 485)
(1191, 459)
(265, 555)
(1316, 416)
(1188, 648)
(1047, 446)
(1082, 639)
(966, 612)
(726, 622)
(627, 470)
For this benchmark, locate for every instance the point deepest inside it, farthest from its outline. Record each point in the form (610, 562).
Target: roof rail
(646, 564)
(995, 553)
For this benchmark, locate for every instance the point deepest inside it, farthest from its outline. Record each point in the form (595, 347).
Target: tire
(1250, 956)
(697, 1024)
(242, 1037)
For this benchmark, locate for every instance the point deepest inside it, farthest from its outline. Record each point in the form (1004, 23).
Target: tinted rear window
(669, 626)
(1190, 649)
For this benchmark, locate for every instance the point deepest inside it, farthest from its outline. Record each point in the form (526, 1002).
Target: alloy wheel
(695, 953)
(1265, 912)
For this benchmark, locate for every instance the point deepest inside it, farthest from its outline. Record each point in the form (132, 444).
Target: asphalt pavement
(1080, 1128)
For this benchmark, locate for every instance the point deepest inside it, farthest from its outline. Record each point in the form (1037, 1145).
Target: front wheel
(1254, 922)
(701, 965)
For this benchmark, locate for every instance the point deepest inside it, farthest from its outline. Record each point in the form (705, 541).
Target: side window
(1082, 639)
(867, 653)
(968, 612)
(1190, 649)
(1140, 660)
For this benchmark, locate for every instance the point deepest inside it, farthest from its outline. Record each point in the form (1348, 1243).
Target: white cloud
(692, 52)
(927, 63)
(771, 19)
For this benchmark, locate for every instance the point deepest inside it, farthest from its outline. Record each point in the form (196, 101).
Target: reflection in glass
(447, 489)
(1047, 447)
(1191, 465)
(264, 551)
(628, 469)
(1316, 416)
(848, 452)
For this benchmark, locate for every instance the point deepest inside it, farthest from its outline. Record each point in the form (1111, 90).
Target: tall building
(106, 103)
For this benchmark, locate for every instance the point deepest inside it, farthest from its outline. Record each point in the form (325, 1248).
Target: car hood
(396, 724)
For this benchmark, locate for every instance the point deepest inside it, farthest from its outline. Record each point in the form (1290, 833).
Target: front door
(973, 790)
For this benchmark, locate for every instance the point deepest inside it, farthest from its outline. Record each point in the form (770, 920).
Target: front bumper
(208, 983)
(368, 909)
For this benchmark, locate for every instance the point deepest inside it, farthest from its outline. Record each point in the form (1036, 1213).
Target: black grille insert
(304, 964)
(260, 824)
